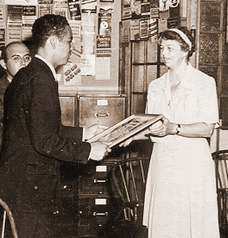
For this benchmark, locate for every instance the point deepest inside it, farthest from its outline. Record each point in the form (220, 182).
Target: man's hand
(93, 130)
(98, 151)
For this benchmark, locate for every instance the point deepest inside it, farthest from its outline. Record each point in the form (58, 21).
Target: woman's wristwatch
(178, 129)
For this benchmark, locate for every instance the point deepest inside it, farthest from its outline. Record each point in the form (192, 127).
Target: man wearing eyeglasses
(15, 56)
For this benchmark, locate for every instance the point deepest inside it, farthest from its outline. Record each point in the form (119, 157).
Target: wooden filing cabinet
(68, 106)
(95, 206)
(86, 204)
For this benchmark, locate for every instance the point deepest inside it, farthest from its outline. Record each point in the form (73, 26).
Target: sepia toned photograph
(126, 128)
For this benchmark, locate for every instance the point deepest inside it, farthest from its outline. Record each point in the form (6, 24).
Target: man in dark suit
(15, 56)
(35, 141)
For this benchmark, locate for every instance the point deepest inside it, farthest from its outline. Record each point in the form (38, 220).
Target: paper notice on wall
(104, 21)
(2, 17)
(88, 65)
(72, 74)
(88, 40)
(60, 7)
(126, 9)
(14, 13)
(13, 32)
(89, 6)
(153, 29)
(28, 18)
(134, 29)
(143, 26)
(74, 9)
(103, 41)
(76, 32)
(103, 68)
(166, 4)
(125, 31)
(21, 2)
(2, 35)
(45, 9)
(45, 1)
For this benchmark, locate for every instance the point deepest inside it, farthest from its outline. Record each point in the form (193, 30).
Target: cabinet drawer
(93, 210)
(97, 181)
(101, 110)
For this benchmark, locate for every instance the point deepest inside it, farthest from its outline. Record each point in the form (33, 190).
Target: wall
(212, 58)
(94, 62)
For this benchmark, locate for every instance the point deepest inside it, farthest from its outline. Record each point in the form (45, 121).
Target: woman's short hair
(172, 35)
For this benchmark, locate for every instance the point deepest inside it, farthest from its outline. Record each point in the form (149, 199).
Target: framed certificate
(126, 129)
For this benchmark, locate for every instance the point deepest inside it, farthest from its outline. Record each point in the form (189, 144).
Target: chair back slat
(124, 183)
(129, 177)
(142, 172)
(8, 212)
(221, 171)
(133, 181)
(222, 167)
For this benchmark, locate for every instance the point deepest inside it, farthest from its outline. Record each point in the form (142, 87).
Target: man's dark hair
(48, 25)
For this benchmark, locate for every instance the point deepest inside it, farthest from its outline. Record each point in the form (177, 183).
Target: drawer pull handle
(100, 214)
(99, 180)
(101, 114)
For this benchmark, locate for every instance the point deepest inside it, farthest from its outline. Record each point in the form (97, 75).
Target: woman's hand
(163, 129)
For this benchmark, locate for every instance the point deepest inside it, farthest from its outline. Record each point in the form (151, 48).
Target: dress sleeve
(208, 102)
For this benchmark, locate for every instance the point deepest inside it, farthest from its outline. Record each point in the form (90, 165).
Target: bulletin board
(93, 65)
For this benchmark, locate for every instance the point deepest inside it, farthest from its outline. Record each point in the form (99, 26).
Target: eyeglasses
(19, 59)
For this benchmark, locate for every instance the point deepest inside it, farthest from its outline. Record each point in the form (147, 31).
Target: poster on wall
(45, 1)
(154, 9)
(103, 41)
(72, 74)
(136, 9)
(125, 31)
(60, 7)
(14, 23)
(74, 9)
(134, 29)
(2, 17)
(2, 35)
(153, 29)
(89, 6)
(103, 68)
(88, 65)
(143, 26)
(126, 13)
(44, 9)
(21, 2)
(28, 18)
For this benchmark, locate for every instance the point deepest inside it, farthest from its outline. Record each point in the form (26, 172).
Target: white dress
(180, 199)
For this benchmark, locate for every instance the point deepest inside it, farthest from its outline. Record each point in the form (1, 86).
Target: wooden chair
(8, 213)
(129, 179)
(221, 170)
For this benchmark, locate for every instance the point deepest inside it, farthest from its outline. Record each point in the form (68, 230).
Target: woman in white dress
(180, 198)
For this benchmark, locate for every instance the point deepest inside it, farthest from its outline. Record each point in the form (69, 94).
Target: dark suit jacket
(35, 141)
(4, 82)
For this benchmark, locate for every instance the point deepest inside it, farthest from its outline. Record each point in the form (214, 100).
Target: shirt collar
(49, 65)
